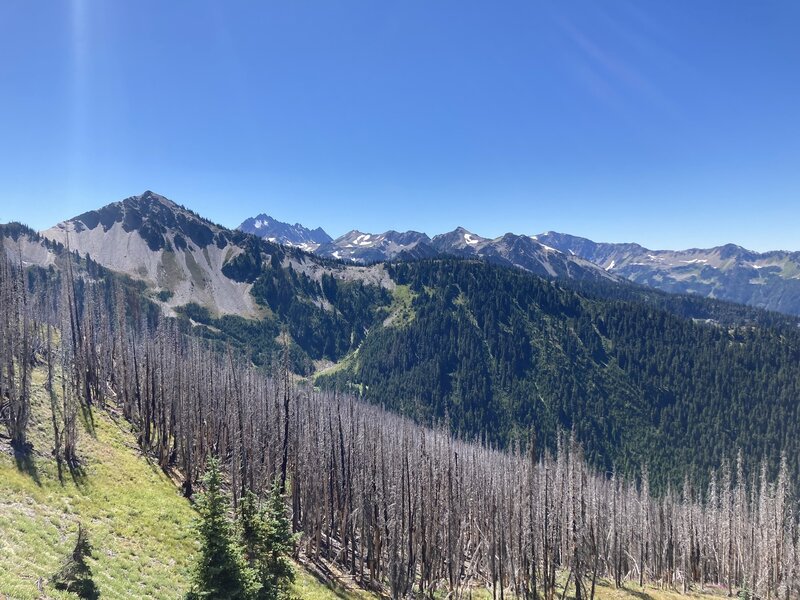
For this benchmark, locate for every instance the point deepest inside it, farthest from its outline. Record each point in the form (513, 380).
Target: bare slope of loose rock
(151, 238)
(24, 245)
(184, 258)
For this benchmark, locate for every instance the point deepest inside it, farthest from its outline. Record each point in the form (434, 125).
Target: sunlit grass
(139, 525)
(401, 311)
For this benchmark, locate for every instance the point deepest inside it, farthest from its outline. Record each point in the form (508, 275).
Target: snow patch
(469, 239)
(612, 265)
(363, 240)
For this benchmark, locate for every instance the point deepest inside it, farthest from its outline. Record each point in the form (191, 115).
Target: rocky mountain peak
(269, 228)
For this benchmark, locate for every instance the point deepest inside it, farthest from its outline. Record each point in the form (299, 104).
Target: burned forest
(405, 509)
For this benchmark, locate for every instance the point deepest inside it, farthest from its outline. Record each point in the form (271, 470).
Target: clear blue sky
(672, 123)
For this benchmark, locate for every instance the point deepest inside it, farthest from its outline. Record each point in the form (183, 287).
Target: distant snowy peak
(279, 232)
(458, 239)
(370, 247)
(768, 280)
(520, 251)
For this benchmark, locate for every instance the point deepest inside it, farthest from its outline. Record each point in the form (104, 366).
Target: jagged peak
(270, 228)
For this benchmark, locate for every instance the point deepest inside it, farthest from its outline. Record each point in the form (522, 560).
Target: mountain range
(520, 360)
(511, 250)
(467, 335)
(769, 280)
(182, 257)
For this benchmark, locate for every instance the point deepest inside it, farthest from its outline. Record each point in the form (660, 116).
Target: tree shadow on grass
(630, 591)
(24, 459)
(320, 571)
(326, 578)
(75, 574)
(88, 420)
(77, 473)
(641, 595)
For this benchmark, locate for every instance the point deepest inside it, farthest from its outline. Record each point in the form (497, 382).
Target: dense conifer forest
(679, 383)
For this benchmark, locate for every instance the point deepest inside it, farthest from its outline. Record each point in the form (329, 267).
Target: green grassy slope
(140, 526)
(138, 523)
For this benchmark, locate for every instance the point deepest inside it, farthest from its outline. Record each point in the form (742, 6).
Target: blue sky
(673, 124)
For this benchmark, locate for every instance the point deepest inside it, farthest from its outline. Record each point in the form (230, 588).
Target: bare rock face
(150, 238)
(185, 258)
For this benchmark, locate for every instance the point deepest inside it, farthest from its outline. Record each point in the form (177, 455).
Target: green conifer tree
(269, 542)
(221, 573)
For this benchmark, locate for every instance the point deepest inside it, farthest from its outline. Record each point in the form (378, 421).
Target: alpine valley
(490, 336)
(522, 367)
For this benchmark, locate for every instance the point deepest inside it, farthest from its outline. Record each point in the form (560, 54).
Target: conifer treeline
(398, 505)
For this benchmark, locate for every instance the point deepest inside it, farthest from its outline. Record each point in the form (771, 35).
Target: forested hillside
(677, 382)
(402, 508)
(493, 351)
